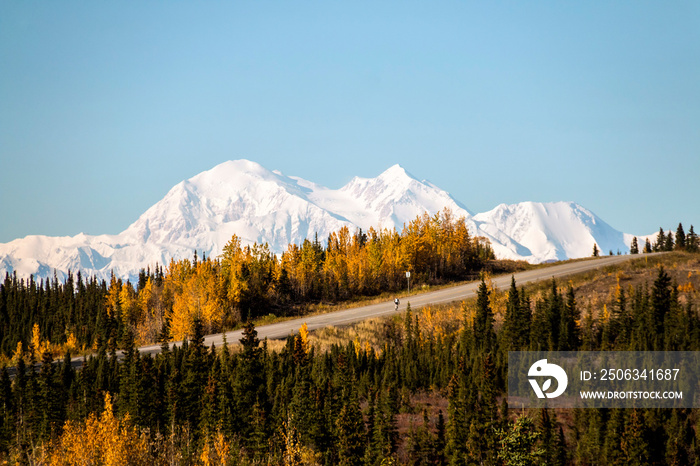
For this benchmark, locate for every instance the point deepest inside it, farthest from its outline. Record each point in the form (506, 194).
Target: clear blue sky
(104, 106)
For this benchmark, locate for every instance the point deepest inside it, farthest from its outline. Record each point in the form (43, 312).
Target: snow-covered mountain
(554, 230)
(243, 198)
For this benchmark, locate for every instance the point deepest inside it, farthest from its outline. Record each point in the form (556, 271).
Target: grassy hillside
(594, 291)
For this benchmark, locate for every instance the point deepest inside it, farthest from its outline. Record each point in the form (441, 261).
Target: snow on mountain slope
(553, 230)
(395, 198)
(387, 201)
(243, 198)
(238, 197)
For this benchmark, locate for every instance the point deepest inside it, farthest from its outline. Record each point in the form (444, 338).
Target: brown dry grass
(597, 288)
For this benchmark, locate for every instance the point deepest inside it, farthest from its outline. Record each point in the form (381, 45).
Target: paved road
(447, 295)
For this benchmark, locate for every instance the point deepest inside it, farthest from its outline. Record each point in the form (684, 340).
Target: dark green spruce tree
(660, 242)
(691, 242)
(680, 238)
(669, 242)
(660, 306)
(569, 332)
(634, 248)
(511, 332)
(249, 390)
(484, 335)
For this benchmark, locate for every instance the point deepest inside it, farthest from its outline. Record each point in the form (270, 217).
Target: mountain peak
(396, 173)
(233, 169)
(244, 198)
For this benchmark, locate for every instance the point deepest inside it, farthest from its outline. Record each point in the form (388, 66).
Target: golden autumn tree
(177, 273)
(36, 342)
(216, 450)
(394, 262)
(71, 342)
(462, 245)
(290, 269)
(185, 308)
(335, 267)
(197, 294)
(128, 304)
(176, 312)
(101, 439)
(18, 354)
(358, 264)
(204, 295)
(233, 275)
(150, 310)
(304, 338)
(145, 298)
(414, 249)
(112, 300)
(39, 346)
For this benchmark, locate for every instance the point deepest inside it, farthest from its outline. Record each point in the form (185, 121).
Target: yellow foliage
(39, 347)
(304, 336)
(204, 455)
(18, 354)
(71, 342)
(127, 301)
(295, 453)
(180, 320)
(112, 299)
(222, 447)
(215, 450)
(427, 317)
(102, 439)
(209, 290)
(148, 330)
(199, 299)
(618, 289)
(368, 348)
(232, 260)
(490, 284)
(687, 288)
(468, 313)
(356, 345)
(145, 298)
(36, 341)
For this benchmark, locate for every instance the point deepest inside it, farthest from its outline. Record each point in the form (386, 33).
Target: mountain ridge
(244, 198)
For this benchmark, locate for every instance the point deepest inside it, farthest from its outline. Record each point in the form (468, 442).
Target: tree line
(666, 241)
(243, 283)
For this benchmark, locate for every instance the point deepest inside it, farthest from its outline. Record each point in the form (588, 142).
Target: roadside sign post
(408, 278)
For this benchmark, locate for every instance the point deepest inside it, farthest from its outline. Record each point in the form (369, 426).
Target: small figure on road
(396, 303)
